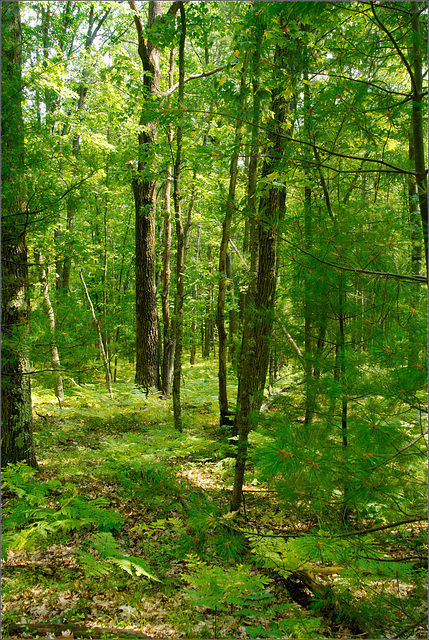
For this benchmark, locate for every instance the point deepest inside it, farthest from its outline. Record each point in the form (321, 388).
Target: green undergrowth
(127, 523)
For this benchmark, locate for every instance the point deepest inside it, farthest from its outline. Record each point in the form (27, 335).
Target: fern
(110, 554)
(219, 588)
(28, 520)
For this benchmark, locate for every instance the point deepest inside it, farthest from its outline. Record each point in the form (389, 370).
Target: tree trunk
(195, 297)
(16, 411)
(53, 349)
(144, 188)
(308, 302)
(259, 316)
(344, 401)
(232, 329)
(226, 228)
(416, 258)
(168, 340)
(417, 122)
(180, 238)
(207, 330)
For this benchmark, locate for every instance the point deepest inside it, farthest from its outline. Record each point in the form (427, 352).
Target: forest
(214, 250)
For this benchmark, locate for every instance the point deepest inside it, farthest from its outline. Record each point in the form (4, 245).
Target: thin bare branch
(380, 464)
(195, 76)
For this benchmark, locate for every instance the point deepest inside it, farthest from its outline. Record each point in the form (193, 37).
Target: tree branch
(396, 47)
(396, 276)
(142, 48)
(194, 76)
(368, 83)
(329, 152)
(400, 451)
(383, 527)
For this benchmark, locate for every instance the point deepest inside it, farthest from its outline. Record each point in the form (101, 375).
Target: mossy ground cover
(126, 526)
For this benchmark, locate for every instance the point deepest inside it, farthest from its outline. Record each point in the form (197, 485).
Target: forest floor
(175, 566)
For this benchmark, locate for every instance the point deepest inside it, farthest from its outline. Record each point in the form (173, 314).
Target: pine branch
(403, 632)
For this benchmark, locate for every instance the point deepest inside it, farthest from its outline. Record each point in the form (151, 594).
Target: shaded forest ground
(130, 530)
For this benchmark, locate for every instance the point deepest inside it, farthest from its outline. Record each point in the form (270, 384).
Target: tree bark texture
(144, 189)
(193, 345)
(259, 315)
(16, 410)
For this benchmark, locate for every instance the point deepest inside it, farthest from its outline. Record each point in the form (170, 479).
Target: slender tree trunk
(53, 349)
(232, 329)
(16, 411)
(416, 257)
(308, 293)
(252, 238)
(207, 333)
(417, 122)
(226, 229)
(259, 316)
(100, 336)
(344, 402)
(169, 338)
(180, 238)
(195, 298)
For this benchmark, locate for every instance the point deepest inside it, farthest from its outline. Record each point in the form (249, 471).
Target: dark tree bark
(16, 411)
(144, 189)
(232, 328)
(259, 314)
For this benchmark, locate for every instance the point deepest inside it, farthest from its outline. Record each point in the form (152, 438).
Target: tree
(223, 258)
(259, 313)
(16, 410)
(180, 235)
(144, 188)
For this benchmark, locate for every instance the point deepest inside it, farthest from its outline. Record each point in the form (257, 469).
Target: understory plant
(39, 513)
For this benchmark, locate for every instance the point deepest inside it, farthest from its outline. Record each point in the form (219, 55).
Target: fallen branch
(392, 525)
(100, 337)
(322, 599)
